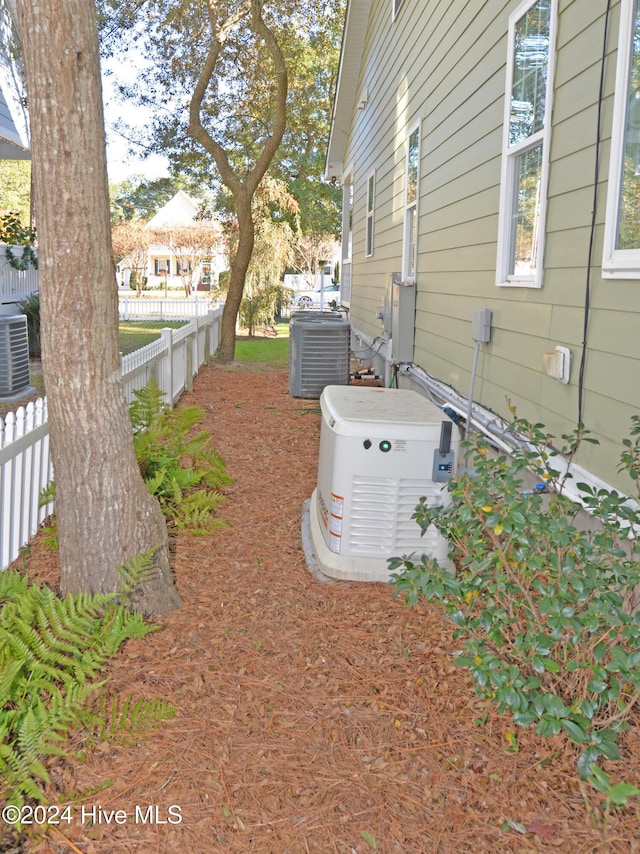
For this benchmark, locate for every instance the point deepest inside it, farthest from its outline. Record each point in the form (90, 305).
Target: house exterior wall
(442, 65)
(14, 123)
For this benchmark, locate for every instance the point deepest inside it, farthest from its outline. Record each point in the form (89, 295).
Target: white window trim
(414, 205)
(509, 159)
(347, 236)
(396, 5)
(369, 243)
(619, 263)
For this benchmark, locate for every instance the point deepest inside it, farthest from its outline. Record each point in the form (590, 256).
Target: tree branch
(220, 33)
(280, 108)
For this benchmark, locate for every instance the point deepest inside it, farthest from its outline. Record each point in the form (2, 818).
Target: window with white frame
(411, 205)
(396, 6)
(347, 238)
(622, 225)
(371, 193)
(526, 142)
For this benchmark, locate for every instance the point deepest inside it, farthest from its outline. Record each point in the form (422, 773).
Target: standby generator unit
(381, 451)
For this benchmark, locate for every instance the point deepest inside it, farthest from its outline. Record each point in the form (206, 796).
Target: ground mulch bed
(312, 716)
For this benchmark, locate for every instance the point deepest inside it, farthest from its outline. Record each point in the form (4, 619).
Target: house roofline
(13, 8)
(12, 150)
(353, 35)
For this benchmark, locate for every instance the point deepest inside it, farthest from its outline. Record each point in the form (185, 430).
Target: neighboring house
(174, 257)
(489, 153)
(14, 144)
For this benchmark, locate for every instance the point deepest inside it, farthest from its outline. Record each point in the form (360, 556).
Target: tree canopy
(15, 189)
(236, 88)
(174, 37)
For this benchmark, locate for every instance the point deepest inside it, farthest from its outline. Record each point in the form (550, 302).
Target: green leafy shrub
(261, 307)
(14, 233)
(138, 281)
(541, 607)
(31, 308)
(178, 465)
(52, 654)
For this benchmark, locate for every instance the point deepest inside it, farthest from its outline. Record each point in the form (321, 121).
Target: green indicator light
(385, 446)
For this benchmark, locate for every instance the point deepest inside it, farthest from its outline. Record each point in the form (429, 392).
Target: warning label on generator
(335, 522)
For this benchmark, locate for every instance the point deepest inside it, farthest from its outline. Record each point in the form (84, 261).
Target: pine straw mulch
(313, 716)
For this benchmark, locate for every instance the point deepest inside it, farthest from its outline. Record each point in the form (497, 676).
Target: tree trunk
(105, 514)
(239, 266)
(243, 189)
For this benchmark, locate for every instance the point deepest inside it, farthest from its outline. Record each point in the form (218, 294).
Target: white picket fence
(157, 308)
(25, 461)
(15, 285)
(25, 470)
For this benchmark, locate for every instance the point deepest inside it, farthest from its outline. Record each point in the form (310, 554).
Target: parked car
(311, 299)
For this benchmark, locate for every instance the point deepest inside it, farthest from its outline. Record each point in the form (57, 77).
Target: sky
(120, 163)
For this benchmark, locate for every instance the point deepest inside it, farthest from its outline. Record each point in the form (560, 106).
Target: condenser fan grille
(319, 347)
(14, 355)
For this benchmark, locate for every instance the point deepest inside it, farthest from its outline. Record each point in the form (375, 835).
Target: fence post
(214, 336)
(197, 325)
(188, 359)
(208, 325)
(166, 335)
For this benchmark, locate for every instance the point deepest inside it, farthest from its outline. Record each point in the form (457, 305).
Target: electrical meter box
(394, 279)
(381, 452)
(403, 313)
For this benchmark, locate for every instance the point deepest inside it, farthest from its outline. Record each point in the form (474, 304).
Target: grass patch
(273, 350)
(134, 334)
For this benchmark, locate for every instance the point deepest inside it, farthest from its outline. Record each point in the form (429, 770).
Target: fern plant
(52, 654)
(124, 721)
(178, 465)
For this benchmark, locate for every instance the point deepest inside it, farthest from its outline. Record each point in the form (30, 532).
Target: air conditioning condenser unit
(14, 354)
(381, 451)
(319, 349)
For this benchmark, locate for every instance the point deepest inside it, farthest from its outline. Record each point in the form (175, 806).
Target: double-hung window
(622, 225)
(526, 143)
(371, 191)
(347, 238)
(411, 204)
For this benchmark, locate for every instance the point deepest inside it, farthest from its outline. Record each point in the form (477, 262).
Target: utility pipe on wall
(493, 426)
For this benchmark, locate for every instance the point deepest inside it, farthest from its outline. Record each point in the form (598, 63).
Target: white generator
(381, 450)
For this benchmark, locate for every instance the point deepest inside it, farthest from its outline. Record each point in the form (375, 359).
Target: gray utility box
(403, 320)
(14, 354)
(319, 351)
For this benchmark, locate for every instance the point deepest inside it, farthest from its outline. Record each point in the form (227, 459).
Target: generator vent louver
(14, 355)
(372, 527)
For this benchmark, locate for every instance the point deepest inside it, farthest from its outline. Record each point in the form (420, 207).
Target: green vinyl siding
(443, 64)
